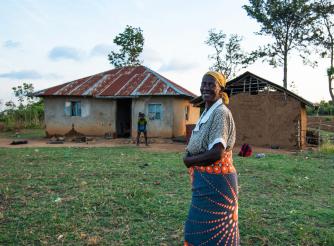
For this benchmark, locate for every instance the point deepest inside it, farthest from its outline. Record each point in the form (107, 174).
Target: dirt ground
(156, 145)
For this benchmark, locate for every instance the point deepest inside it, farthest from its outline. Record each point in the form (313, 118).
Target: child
(142, 122)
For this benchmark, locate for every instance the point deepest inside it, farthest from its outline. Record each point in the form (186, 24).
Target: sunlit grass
(327, 148)
(126, 196)
(24, 133)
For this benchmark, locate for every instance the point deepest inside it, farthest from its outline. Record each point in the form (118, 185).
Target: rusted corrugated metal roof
(120, 82)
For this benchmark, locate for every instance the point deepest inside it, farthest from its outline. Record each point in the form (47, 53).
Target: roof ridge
(128, 81)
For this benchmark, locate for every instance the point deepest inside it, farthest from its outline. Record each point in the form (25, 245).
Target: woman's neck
(209, 104)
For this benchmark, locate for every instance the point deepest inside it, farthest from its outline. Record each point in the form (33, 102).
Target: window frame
(156, 113)
(73, 108)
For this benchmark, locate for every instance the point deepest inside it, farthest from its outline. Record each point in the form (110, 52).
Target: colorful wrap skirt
(213, 214)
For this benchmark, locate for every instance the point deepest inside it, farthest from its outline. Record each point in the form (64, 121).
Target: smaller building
(265, 113)
(109, 103)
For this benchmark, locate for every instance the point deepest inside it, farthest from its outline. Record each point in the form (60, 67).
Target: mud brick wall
(269, 119)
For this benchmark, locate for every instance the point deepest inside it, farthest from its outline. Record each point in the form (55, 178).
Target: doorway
(123, 118)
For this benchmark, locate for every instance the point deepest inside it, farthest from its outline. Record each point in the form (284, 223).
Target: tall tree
(228, 57)
(131, 42)
(24, 93)
(325, 27)
(289, 23)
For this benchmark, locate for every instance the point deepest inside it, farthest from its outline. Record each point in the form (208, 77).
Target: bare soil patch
(156, 145)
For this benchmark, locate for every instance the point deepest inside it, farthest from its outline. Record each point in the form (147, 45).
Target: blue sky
(51, 42)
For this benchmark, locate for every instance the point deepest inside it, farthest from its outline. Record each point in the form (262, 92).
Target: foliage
(228, 57)
(289, 23)
(324, 108)
(131, 42)
(325, 27)
(128, 196)
(29, 113)
(24, 94)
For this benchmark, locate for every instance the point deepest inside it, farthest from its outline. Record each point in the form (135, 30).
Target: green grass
(323, 132)
(327, 148)
(125, 196)
(24, 133)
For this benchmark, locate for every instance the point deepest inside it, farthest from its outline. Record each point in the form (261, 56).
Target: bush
(29, 116)
(325, 108)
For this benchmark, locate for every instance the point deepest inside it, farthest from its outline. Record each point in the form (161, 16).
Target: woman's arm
(206, 158)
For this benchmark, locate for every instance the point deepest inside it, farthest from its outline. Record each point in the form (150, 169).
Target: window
(73, 108)
(154, 111)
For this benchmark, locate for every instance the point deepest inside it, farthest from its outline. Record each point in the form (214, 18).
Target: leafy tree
(325, 27)
(24, 93)
(293, 87)
(131, 43)
(289, 23)
(29, 113)
(228, 57)
(10, 105)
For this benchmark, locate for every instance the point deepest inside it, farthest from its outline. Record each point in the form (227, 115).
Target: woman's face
(210, 89)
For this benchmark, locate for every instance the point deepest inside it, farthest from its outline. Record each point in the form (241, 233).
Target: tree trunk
(330, 75)
(330, 83)
(285, 78)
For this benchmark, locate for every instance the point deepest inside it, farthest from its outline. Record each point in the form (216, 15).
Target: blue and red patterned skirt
(213, 213)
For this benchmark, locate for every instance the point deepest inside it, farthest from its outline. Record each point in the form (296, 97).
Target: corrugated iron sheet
(119, 82)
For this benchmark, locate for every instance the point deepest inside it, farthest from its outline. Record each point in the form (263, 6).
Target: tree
(228, 57)
(325, 27)
(131, 42)
(293, 87)
(29, 113)
(10, 105)
(24, 93)
(289, 23)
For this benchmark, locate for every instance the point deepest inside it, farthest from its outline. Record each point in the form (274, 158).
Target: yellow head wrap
(220, 78)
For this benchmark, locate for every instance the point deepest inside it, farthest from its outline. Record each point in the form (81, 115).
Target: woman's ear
(221, 91)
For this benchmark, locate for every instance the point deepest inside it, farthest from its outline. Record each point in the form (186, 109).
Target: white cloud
(101, 50)
(24, 74)
(28, 74)
(151, 56)
(177, 65)
(11, 44)
(65, 53)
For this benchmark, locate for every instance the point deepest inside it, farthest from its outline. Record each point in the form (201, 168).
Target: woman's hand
(186, 161)
(206, 158)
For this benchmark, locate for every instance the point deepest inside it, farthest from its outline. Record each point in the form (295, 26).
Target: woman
(213, 214)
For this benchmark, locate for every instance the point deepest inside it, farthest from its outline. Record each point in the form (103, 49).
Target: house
(109, 103)
(265, 113)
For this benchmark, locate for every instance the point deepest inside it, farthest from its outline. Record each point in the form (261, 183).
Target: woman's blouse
(215, 125)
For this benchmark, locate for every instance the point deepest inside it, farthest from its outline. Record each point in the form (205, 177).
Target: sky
(46, 42)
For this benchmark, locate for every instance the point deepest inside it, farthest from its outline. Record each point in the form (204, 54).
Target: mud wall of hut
(269, 119)
(97, 116)
(303, 130)
(155, 128)
(184, 114)
(173, 116)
